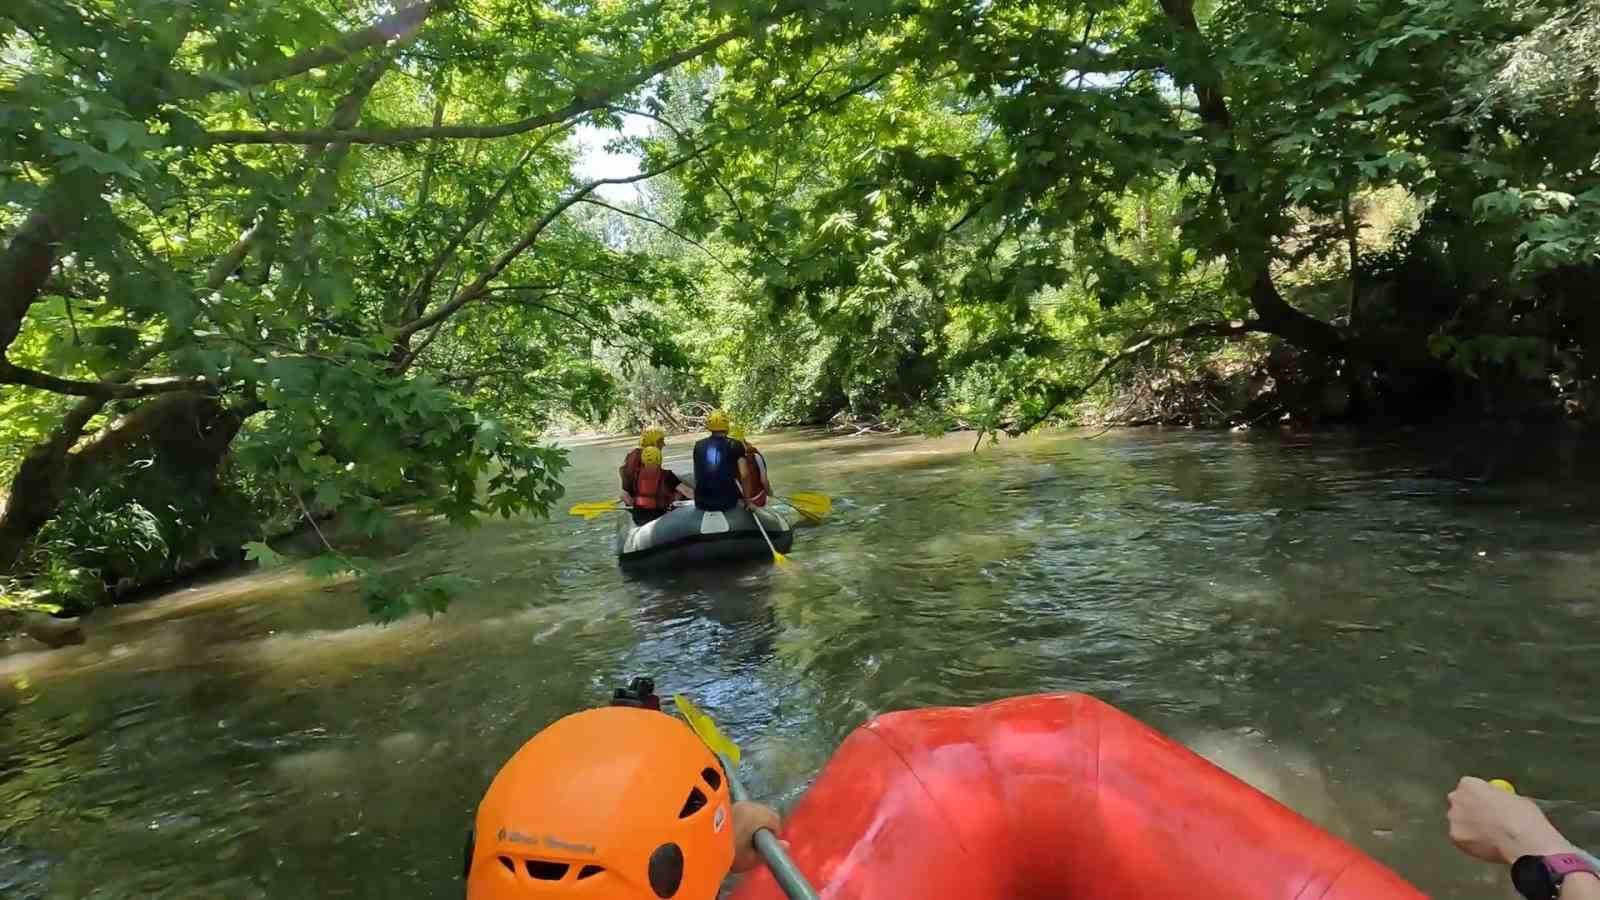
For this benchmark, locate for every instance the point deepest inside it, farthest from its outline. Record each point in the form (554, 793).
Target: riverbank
(1255, 384)
(1264, 383)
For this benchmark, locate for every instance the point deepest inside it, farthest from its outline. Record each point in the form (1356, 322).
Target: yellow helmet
(653, 437)
(737, 431)
(650, 456)
(717, 421)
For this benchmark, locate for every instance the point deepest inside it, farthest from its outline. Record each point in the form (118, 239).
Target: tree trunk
(1194, 66)
(27, 261)
(41, 482)
(196, 427)
(1352, 237)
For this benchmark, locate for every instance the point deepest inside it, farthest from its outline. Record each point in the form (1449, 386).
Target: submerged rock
(46, 629)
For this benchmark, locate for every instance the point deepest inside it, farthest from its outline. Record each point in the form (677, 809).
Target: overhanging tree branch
(28, 259)
(104, 390)
(419, 295)
(401, 23)
(1193, 64)
(1060, 394)
(480, 284)
(590, 99)
(669, 230)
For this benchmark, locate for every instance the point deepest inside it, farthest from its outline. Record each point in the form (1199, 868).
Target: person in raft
(1495, 825)
(655, 487)
(716, 466)
(753, 483)
(624, 802)
(629, 470)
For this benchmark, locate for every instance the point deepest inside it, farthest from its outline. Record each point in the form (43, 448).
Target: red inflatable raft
(1059, 797)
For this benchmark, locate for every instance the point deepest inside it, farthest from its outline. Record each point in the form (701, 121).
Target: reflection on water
(1348, 625)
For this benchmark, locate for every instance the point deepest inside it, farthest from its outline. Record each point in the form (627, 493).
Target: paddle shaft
(755, 513)
(784, 871)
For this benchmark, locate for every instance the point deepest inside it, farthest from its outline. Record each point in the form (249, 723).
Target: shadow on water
(1347, 622)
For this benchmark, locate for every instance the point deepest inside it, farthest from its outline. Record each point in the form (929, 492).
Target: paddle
(787, 874)
(811, 507)
(777, 557)
(596, 509)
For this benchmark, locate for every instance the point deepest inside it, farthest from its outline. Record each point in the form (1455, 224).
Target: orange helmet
(608, 804)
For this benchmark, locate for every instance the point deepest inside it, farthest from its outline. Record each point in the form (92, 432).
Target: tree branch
(669, 230)
(324, 186)
(419, 295)
(1194, 65)
(1059, 395)
(11, 373)
(402, 23)
(31, 255)
(679, 133)
(480, 284)
(594, 98)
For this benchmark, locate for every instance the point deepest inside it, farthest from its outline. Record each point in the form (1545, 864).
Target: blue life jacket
(716, 472)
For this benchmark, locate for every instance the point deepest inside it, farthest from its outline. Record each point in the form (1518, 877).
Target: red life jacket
(650, 489)
(754, 481)
(630, 470)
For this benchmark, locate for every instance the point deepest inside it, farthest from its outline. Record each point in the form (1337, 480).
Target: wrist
(1538, 842)
(1543, 847)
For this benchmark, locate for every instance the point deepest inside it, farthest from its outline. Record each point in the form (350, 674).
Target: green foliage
(392, 320)
(936, 213)
(1038, 187)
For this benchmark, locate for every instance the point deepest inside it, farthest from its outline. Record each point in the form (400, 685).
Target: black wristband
(1532, 879)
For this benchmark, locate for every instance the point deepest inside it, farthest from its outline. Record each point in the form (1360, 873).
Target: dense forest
(265, 261)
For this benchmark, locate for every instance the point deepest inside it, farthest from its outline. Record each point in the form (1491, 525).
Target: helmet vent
(695, 803)
(712, 777)
(589, 872)
(545, 870)
(510, 866)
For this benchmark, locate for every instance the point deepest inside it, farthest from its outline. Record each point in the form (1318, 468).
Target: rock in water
(51, 631)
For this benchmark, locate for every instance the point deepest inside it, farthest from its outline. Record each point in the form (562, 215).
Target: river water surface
(1349, 624)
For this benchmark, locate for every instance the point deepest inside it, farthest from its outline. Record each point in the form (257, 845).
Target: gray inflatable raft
(689, 536)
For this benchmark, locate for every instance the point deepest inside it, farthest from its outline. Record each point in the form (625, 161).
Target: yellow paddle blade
(594, 510)
(706, 728)
(813, 506)
(779, 558)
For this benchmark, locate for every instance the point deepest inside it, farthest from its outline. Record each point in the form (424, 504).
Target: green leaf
(1387, 102)
(329, 566)
(328, 495)
(258, 552)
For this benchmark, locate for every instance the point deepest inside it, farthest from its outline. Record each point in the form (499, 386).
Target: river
(1348, 623)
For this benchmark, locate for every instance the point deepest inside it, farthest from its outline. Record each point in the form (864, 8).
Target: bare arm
(742, 480)
(1498, 826)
